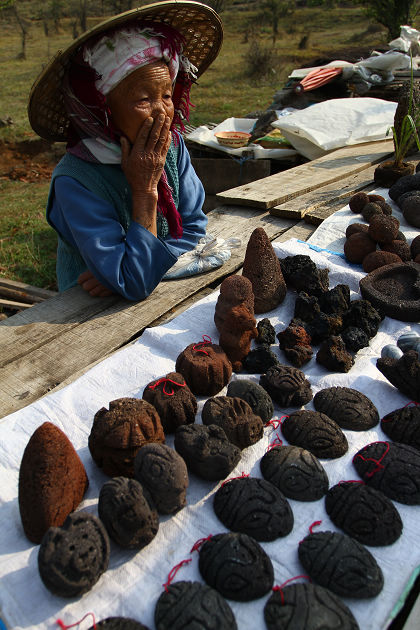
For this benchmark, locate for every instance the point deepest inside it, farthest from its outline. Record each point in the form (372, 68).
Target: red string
(276, 442)
(275, 422)
(350, 481)
(65, 626)
(378, 463)
(243, 474)
(280, 588)
(412, 402)
(172, 573)
(206, 341)
(196, 546)
(314, 524)
(167, 380)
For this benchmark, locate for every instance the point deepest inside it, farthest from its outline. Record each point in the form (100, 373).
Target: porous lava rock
(363, 315)
(403, 185)
(296, 345)
(296, 472)
(403, 373)
(72, 558)
(334, 355)
(392, 468)
(236, 566)
(266, 332)
(207, 451)
(398, 247)
(354, 338)
(383, 229)
(357, 246)
(192, 605)
(255, 395)
(376, 198)
(235, 417)
(415, 194)
(341, 564)
(336, 300)
(363, 513)
(52, 481)
(287, 386)
(259, 360)
(128, 513)
(235, 290)
(403, 425)
(348, 407)
(415, 246)
(302, 274)
(309, 606)
(370, 210)
(236, 333)
(173, 400)
(411, 211)
(316, 432)
(255, 507)
(205, 366)
(306, 307)
(119, 432)
(358, 201)
(118, 623)
(163, 473)
(354, 228)
(385, 207)
(324, 326)
(262, 268)
(379, 259)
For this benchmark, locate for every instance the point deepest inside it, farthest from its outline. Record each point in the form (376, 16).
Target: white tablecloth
(133, 582)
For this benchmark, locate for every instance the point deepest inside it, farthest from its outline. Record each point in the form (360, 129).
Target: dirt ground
(29, 160)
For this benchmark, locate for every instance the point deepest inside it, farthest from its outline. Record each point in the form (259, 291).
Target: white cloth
(133, 582)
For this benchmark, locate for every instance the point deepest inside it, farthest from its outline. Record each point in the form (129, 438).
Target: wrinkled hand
(89, 283)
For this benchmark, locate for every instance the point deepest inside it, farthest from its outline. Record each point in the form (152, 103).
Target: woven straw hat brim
(200, 26)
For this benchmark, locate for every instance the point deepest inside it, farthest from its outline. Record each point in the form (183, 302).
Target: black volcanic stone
(307, 607)
(266, 332)
(348, 407)
(235, 417)
(341, 564)
(392, 468)
(363, 513)
(334, 356)
(296, 472)
(119, 623)
(354, 338)
(236, 566)
(164, 474)
(255, 507)
(306, 307)
(403, 425)
(255, 395)
(72, 558)
(403, 373)
(207, 451)
(128, 513)
(323, 326)
(193, 606)
(336, 300)
(175, 404)
(362, 314)
(287, 386)
(316, 432)
(403, 185)
(259, 360)
(301, 273)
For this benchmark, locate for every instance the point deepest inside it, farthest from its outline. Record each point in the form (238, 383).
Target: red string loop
(242, 475)
(279, 589)
(276, 442)
(196, 546)
(350, 481)
(65, 626)
(378, 463)
(412, 402)
(165, 380)
(198, 346)
(172, 573)
(314, 524)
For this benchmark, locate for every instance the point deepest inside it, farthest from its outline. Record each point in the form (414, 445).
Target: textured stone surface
(193, 606)
(392, 468)
(306, 307)
(236, 566)
(358, 201)
(296, 344)
(127, 512)
(379, 258)
(266, 332)
(363, 513)
(287, 386)
(255, 395)
(383, 229)
(72, 558)
(172, 399)
(324, 326)
(205, 367)
(363, 315)
(302, 274)
(234, 290)
(52, 481)
(334, 355)
(164, 474)
(236, 334)
(118, 623)
(336, 300)
(262, 268)
(398, 247)
(411, 211)
(371, 209)
(353, 228)
(403, 185)
(358, 246)
(207, 451)
(296, 472)
(315, 432)
(354, 338)
(403, 373)
(260, 360)
(341, 564)
(403, 425)
(348, 407)
(415, 245)
(255, 507)
(235, 417)
(307, 606)
(118, 433)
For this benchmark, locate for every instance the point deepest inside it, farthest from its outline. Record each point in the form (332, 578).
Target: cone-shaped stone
(234, 291)
(262, 268)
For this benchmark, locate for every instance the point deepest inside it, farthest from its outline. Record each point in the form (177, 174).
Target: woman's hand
(89, 283)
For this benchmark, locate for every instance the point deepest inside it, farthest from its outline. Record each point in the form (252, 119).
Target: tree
(391, 13)
(12, 7)
(272, 11)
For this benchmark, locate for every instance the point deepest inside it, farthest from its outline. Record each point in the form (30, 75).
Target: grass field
(226, 89)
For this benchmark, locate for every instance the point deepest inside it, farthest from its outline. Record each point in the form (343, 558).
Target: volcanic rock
(255, 395)
(403, 425)
(235, 417)
(173, 400)
(236, 333)
(287, 386)
(334, 356)
(315, 432)
(234, 291)
(205, 366)
(349, 408)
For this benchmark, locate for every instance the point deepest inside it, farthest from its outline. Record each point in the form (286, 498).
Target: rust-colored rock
(236, 333)
(358, 246)
(205, 366)
(371, 209)
(52, 481)
(262, 268)
(358, 201)
(383, 229)
(353, 228)
(234, 290)
(379, 259)
(118, 433)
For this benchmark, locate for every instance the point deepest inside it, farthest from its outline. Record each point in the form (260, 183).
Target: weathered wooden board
(27, 288)
(276, 189)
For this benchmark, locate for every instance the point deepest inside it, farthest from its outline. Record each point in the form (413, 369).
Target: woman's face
(146, 92)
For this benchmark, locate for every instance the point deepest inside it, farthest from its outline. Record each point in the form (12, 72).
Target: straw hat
(200, 26)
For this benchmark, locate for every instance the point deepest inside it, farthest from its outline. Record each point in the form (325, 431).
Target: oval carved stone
(316, 432)
(349, 408)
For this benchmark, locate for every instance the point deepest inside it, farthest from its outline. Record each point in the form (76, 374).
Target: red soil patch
(29, 160)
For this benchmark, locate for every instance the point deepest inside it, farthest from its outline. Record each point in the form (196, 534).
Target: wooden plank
(278, 188)
(12, 304)
(21, 296)
(318, 215)
(27, 288)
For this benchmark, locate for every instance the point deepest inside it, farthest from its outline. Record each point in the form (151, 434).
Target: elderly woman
(125, 200)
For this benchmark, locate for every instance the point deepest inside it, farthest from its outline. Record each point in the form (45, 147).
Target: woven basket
(199, 24)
